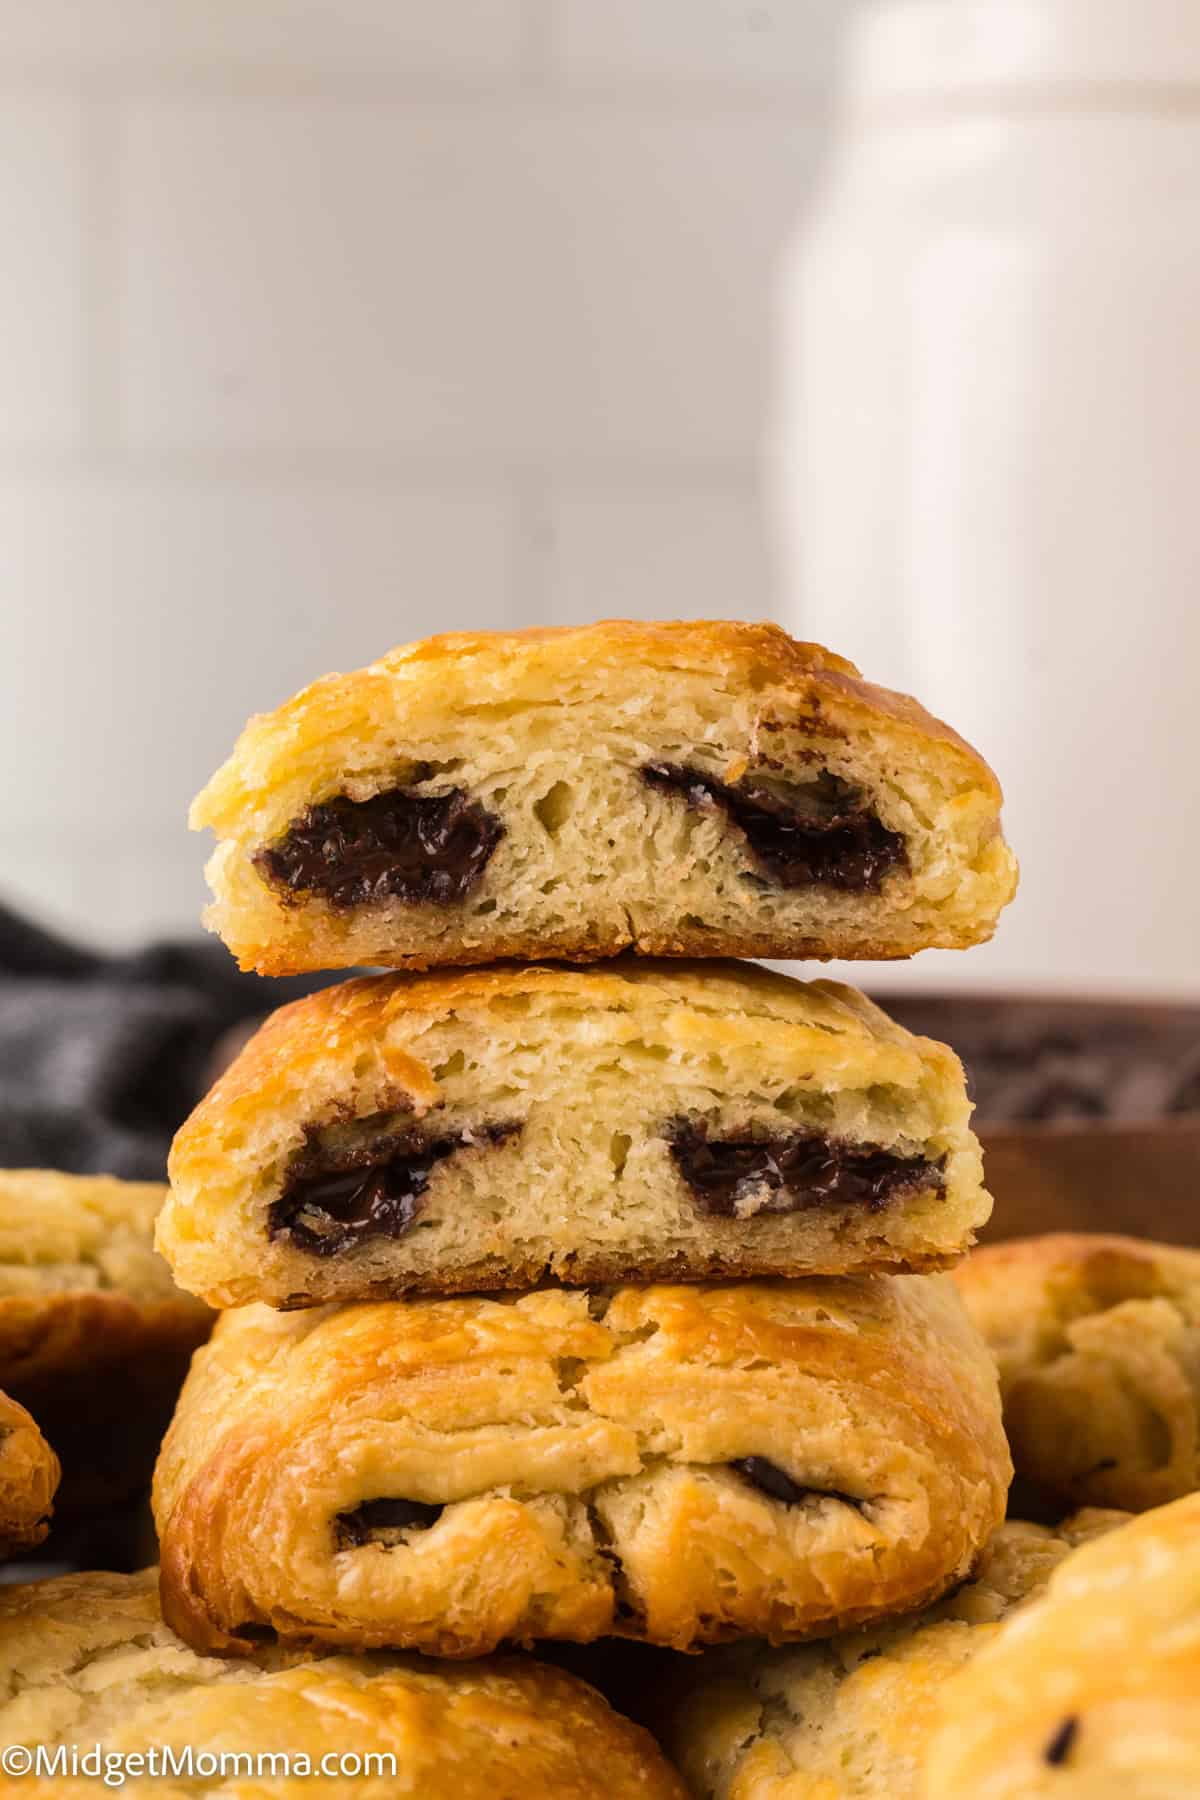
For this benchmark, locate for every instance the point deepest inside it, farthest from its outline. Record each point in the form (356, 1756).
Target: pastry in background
(695, 789)
(1098, 1345)
(677, 1464)
(29, 1475)
(1093, 1691)
(95, 1338)
(490, 1128)
(850, 1719)
(86, 1661)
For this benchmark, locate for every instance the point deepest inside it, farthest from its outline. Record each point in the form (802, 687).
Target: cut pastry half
(695, 789)
(486, 1129)
(680, 1465)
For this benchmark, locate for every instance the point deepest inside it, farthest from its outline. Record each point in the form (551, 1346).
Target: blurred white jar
(988, 460)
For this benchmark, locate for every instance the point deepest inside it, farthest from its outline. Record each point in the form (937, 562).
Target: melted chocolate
(820, 833)
(1061, 1744)
(382, 1521)
(772, 1481)
(333, 1199)
(740, 1177)
(398, 845)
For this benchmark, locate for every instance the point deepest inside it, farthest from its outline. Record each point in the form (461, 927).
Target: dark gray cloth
(103, 1057)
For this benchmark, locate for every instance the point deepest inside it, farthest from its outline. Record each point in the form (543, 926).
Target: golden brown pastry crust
(851, 1719)
(595, 1067)
(514, 718)
(87, 1660)
(584, 1465)
(1093, 1691)
(29, 1473)
(1098, 1345)
(95, 1337)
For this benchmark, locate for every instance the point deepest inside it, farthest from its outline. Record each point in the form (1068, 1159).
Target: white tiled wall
(327, 323)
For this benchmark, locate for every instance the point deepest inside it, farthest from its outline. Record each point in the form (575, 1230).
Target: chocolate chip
(742, 1177)
(383, 1521)
(398, 845)
(819, 833)
(1059, 1748)
(333, 1199)
(771, 1480)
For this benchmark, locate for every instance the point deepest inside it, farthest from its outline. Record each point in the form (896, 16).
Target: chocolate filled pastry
(676, 1464)
(484, 1129)
(88, 1666)
(1098, 1344)
(850, 1719)
(1093, 1691)
(95, 1337)
(679, 789)
(29, 1473)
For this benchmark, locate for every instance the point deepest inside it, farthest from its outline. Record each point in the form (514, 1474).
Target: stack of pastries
(577, 1282)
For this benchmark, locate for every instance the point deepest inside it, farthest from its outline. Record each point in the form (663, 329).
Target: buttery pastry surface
(851, 1719)
(87, 1660)
(677, 1464)
(1098, 1345)
(95, 1336)
(679, 788)
(29, 1475)
(482, 1129)
(1092, 1692)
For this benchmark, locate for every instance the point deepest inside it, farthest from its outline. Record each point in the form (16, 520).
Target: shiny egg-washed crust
(595, 1066)
(851, 1719)
(86, 1660)
(549, 730)
(581, 1447)
(1098, 1345)
(95, 1337)
(29, 1475)
(1092, 1692)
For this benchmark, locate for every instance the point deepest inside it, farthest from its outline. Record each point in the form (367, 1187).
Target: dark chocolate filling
(771, 1480)
(1061, 1744)
(398, 845)
(819, 833)
(379, 1521)
(333, 1199)
(792, 1172)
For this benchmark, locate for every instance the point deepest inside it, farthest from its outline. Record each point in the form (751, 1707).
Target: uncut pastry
(29, 1475)
(95, 1337)
(1093, 1691)
(691, 789)
(851, 1719)
(676, 1464)
(484, 1129)
(86, 1661)
(1098, 1345)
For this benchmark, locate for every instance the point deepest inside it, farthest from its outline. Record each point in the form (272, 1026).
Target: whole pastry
(1093, 1691)
(87, 1666)
(486, 1128)
(95, 1337)
(29, 1472)
(851, 1719)
(697, 789)
(1098, 1345)
(677, 1464)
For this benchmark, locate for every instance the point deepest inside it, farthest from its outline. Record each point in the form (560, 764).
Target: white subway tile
(691, 555)
(455, 282)
(41, 292)
(145, 621)
(760, 42)
(330, 38)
